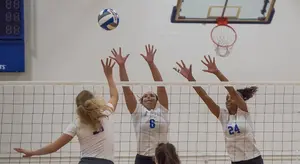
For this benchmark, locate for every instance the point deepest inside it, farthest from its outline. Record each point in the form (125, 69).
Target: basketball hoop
(223, 36)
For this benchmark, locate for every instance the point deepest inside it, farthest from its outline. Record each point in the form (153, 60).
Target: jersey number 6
(234, 129)
(152, 123)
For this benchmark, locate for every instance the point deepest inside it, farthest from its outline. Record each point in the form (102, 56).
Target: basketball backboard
(237, 11)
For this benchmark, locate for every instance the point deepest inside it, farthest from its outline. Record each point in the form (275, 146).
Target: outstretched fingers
(126, 57)
(183, 64)
(207, 61)
(211, 60)
(113, 64)
(150, 49)
(103, 65)
(112, 58)
(108, 63)
(114, 52)
(204, 63)
(143, 56)
(179, 65)
(120, 50)
(176, 69)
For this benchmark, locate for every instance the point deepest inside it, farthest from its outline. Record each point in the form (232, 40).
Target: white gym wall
(64, 42)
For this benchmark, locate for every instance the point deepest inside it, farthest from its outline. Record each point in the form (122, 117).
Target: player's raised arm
(187, 73)
(130, 99)
(161, 90)
(234, 95)
(114, 95)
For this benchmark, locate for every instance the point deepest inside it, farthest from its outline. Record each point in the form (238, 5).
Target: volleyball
(108, 19)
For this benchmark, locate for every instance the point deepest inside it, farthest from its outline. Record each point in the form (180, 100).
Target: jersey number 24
(152, 123)
(233, 129)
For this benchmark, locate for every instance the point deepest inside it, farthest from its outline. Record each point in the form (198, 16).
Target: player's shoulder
(223, 114)
(139, 111)
(76, 122)
(160, 108)
(109, 109)
(224, 111)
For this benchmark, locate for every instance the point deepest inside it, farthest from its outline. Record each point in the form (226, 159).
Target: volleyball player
(236, 120)
(150, 116)
(165, 153)
(94, 126)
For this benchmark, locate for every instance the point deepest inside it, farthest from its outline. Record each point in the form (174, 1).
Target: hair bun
(248, 92)
(254, 88)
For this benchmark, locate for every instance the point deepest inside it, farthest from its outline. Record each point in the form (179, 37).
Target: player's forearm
(161, 90)
(157, 77)
(220, 76)
(223, 78)
(213, 107)
(123, 73)
(112, 87)
(199, 90)
(155, 72)
(45, 150)
(123, 76)
(129, 96)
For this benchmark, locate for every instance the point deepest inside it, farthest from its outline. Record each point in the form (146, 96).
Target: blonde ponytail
(90, 109)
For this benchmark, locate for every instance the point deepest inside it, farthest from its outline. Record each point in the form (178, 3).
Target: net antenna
(223, 35)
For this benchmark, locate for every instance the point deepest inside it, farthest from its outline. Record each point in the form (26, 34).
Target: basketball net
(223, 35)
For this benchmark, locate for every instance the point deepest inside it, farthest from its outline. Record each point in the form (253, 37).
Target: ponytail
(247, 92)
(90, 109)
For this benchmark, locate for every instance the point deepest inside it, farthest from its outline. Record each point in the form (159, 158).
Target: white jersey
(99, 145)
(151, 128)
(239, 135)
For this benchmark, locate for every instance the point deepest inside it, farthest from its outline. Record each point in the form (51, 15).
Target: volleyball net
(34, 114)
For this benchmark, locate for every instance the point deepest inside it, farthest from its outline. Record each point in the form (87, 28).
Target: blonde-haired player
(236, 121)
(94, 126)
(150, 117)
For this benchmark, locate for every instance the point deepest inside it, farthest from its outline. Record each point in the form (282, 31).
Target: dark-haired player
(149, 114)
(165, 153)
(236, 120)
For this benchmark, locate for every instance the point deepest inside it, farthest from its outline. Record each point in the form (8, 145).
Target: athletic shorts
(91, 160)
(256, 160)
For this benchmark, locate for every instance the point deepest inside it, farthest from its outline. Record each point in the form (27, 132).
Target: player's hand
(210, 64)
(150, 52)
(184, 71)
(27, 153)
(108, 67)
(117, 56)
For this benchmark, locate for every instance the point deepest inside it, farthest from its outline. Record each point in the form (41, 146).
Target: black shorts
(256, 160)
(91, 160)
(141, 159)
